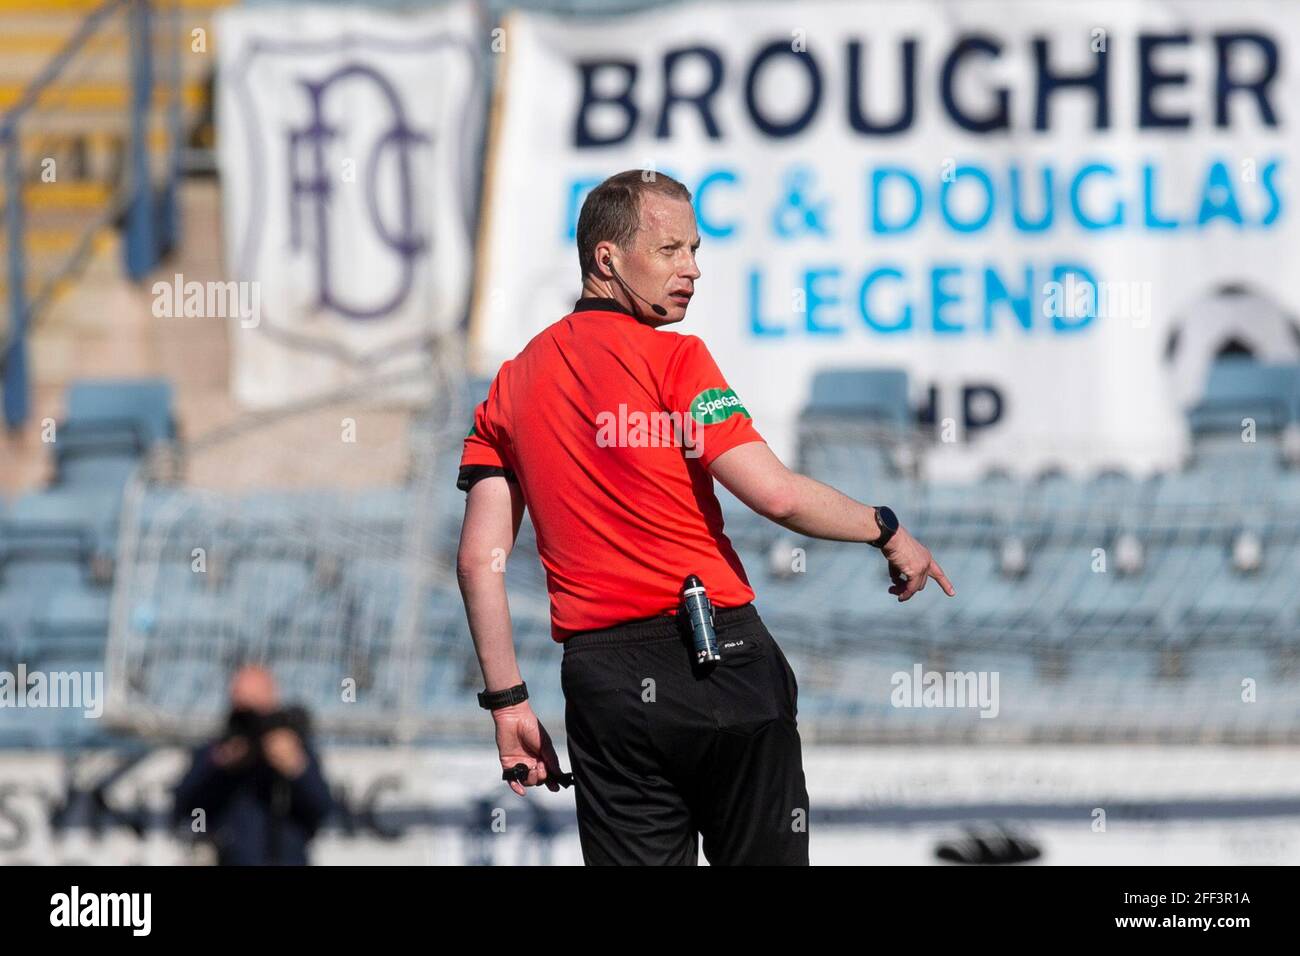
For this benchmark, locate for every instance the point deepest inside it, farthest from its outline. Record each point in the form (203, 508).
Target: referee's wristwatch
(496, 699)
(888, 522)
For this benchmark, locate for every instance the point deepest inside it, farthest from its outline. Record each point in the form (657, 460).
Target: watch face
(888, 520)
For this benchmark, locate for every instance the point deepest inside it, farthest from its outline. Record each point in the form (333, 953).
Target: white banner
(1051, 214)
(876, 805)
(349, 143)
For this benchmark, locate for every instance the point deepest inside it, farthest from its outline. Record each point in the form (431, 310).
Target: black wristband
(495, 700)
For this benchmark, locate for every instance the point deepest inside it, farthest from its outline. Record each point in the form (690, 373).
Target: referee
(610, 431)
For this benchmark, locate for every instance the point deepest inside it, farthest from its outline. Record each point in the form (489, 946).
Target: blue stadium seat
(854, 417)
(986, 596)
(108, 428)
(1225, 666)
(877, 395)
(26, 582)
(1239, 387)
(107, 472)
(145, 405)
(858, 468)
(1246, 606)
(1181, 492)
(44, 727)
(87, 515)
(73, 623)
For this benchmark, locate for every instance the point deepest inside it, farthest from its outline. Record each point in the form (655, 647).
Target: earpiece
(655, 307)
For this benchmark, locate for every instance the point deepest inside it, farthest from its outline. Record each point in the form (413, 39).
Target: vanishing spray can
(699, 612)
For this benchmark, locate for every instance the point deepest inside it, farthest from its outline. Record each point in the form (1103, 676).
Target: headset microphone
(655, 307)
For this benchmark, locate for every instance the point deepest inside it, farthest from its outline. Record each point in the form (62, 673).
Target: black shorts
(663, 752)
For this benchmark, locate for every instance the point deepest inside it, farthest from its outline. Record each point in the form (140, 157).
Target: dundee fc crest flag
(348, 145)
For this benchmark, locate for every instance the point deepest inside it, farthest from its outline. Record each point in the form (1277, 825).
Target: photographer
(259, 785)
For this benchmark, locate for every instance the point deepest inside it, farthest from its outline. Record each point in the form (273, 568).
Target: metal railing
(131, 192)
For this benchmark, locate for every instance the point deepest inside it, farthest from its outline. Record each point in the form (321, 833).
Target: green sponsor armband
(715, 405)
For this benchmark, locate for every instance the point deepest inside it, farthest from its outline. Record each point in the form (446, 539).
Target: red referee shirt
(608, 425)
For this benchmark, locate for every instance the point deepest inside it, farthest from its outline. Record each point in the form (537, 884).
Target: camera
(253, 725)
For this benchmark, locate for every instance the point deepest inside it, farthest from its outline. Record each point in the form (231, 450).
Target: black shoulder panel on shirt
(472, 473)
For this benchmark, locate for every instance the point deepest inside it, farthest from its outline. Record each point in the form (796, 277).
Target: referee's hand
(521, 738)
(910, 564)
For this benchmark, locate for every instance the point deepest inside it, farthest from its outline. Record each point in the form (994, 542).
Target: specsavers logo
(715, 405)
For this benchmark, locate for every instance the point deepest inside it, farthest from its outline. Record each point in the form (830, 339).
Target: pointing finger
(936, 572)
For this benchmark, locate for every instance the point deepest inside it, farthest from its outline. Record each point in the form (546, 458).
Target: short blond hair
(612, 211)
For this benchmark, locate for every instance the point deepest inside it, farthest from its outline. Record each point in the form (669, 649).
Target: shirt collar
(597, 304)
